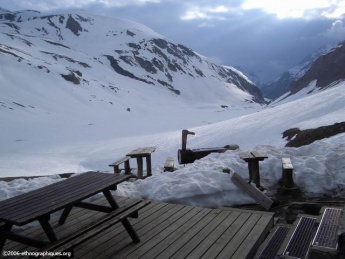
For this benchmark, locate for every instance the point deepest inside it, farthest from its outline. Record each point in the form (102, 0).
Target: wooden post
(140, 167)
(287, 173)
(127, 167)
(148, 166)
(184, 138)
(255, 172)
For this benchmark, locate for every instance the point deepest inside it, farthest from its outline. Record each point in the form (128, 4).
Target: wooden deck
(169, 231)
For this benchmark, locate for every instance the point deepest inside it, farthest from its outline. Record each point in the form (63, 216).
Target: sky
(267, 37)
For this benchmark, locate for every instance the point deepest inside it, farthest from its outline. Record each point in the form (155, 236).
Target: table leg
(6, 227)
(140, 167)
(250, 171)
(65, 214)
(148, 165)
(110, 199)
(44, 221)
(256, 173)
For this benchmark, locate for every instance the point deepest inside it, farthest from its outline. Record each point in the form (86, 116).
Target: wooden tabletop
(142, 151)
(253, 155)
(29, 206)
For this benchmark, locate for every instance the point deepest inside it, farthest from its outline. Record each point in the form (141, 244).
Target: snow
(318, 168)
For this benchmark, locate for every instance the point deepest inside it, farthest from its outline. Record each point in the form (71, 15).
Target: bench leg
(44, 221)
(130, 230)
(127, 167)
(6, 227)
(65, 214)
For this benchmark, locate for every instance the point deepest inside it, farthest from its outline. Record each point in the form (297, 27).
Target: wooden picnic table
(139, 154)
(39, 204)
(253, 158)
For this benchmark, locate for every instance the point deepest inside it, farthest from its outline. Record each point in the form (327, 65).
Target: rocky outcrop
(325, 70)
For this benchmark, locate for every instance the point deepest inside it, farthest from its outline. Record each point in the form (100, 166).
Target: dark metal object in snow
(272, 247)
(300, 241)
(187, 156)
(327, 233)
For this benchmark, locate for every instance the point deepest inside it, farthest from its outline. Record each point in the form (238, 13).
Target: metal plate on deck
(272, 247)
(326, 235)
(301, 238)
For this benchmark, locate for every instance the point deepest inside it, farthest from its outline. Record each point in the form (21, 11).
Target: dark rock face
(326, 69)
(73, 25)
(298, 138)
(118, 69)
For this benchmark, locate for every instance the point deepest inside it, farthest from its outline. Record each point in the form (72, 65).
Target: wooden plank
(118, 245)
(286, 163)
(109, 240)
(190, 234)
(150, 249)
(246, 155)
(259, 154)
(120, 161)
(187, 222)
(208, 242)
(201, 235)
(226, 237)
(241, 235)
(255, 238)
(149, 232)
(143, 151)
(252, 191)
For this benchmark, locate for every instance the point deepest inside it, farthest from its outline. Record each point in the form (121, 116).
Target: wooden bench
(68, 242)
(287, 173)
(116, 165)
(169, 165)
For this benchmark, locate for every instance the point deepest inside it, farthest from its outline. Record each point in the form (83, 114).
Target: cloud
(308, 9)
(337, 31)
(50, 5)
(209, 12)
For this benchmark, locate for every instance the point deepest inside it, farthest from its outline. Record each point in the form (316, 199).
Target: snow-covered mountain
(324, 65)
(112, 54)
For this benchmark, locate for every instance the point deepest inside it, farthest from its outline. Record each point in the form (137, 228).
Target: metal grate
(299, 243)
(326, 235)
(271, 249)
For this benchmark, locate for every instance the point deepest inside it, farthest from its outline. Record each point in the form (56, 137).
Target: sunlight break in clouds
(198, 12)
(299, 8)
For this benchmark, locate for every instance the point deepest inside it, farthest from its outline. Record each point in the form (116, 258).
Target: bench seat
(116, 165)
(121, 214)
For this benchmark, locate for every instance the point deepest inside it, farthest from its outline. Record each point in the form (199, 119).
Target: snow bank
(318, 169)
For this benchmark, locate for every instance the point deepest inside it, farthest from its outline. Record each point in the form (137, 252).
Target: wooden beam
(252, 191)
